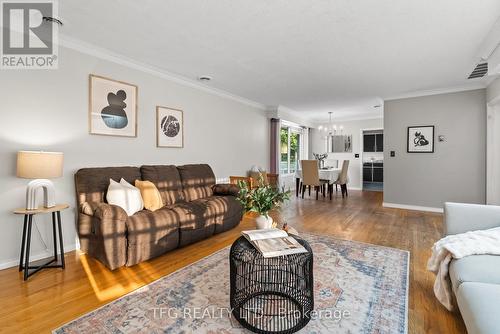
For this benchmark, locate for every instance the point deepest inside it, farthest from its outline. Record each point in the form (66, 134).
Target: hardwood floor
(51, 298)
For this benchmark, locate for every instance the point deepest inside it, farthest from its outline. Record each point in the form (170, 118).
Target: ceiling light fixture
(330, 129)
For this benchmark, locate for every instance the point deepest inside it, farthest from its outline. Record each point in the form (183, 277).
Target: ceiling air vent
(480, 71)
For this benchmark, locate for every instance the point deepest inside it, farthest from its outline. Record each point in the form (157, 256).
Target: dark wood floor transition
(53, 297)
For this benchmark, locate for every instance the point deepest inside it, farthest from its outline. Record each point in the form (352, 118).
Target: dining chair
(342, 178)
(310, 177)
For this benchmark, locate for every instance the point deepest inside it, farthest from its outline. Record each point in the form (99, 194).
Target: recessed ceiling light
(205, 78)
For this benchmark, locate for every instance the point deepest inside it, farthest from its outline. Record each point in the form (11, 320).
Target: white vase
(263, 222)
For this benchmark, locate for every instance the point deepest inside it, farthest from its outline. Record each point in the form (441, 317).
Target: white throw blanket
(455, 247)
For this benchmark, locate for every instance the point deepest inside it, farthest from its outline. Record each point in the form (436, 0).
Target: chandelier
(330, 129)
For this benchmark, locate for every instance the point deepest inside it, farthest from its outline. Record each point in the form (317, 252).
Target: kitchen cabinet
(367, 174)
(378, 174)
(373, 172)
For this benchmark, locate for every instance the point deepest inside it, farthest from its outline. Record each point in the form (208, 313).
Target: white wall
(493, 90)
(493, 143)
(47, 110)
(354, 128)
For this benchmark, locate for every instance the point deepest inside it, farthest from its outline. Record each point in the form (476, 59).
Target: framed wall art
(112, 107)
(420, 139)
(169, 127)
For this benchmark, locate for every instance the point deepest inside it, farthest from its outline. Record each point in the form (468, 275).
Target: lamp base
(49, 193)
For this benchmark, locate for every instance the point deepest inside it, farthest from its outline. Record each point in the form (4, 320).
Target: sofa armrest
(102, 229)
(461, 217)
(226, 189)
(107, 220)
(103, 210)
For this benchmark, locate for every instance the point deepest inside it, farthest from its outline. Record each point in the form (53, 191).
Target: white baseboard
(35, 257)
(412, 207)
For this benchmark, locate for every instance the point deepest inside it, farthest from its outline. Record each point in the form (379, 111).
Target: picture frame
(112, 107)
(420, 139)
(169, 127)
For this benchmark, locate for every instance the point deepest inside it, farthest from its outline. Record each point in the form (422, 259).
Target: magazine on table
(273, 242)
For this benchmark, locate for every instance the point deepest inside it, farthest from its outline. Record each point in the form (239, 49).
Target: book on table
(273, 242)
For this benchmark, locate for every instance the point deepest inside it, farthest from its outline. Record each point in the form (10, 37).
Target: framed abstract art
(420, 139)
(169, 127)
(112, 107)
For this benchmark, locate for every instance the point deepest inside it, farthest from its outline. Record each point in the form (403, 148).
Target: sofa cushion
(192, 215)
(477, 304)
(147, 226)
(151, 234)
(92, 183)
(233, 212)
(227, 206)
(197, 181)
(476, 268)
(166, 179)
(206, 211)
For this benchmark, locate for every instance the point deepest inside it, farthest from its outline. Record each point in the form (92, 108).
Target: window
(289, 149)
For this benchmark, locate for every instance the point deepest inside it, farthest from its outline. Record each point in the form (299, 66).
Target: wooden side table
(24, 261)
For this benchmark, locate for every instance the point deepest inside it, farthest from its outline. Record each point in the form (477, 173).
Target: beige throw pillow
(150, 195)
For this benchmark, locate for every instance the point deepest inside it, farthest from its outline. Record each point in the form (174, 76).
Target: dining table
(329, 174)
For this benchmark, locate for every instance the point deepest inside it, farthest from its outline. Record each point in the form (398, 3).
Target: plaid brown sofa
(195, 208)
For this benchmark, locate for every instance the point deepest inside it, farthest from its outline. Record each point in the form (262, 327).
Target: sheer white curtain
(304, 144)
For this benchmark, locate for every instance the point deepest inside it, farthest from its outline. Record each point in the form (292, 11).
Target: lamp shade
(39, 165)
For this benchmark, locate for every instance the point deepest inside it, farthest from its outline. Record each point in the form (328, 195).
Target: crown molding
(285, 113)
(348, 119)
(455, 89)
(98, 52)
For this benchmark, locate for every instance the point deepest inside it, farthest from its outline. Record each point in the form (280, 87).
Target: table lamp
(40, 166)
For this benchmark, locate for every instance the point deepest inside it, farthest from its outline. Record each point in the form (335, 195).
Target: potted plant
(261, 200)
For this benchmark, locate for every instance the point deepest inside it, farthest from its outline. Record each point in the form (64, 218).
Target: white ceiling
(312, 56)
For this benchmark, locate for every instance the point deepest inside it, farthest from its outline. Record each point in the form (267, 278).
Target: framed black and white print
(169, 127)
(112, 107)
(420, 139)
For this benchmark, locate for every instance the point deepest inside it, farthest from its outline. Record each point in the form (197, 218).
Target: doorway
(372, 159)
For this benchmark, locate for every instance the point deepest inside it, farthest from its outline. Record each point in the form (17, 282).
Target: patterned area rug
(359, 288)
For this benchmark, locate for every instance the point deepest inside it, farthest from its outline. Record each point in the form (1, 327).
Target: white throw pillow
(125, 195)
(134, 196)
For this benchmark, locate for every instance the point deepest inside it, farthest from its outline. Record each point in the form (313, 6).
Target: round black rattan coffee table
(271, 295)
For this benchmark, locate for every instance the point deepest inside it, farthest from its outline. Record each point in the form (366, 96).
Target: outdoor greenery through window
(289, 149)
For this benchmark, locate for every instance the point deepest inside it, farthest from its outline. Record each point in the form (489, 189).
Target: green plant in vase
(261, 200)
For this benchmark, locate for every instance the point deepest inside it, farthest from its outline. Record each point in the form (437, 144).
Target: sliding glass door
(290, 140)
